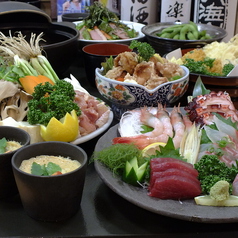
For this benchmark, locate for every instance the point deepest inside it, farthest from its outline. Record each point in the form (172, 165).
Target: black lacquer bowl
(61, 40)
(165, 45)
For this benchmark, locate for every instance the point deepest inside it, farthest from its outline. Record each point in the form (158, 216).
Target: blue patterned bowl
(127, 96)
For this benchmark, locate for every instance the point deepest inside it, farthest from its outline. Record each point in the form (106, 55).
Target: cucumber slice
(206, 200)
(141, 172)
(132, 173)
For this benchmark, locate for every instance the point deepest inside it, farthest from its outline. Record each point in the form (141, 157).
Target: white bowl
(133, 25)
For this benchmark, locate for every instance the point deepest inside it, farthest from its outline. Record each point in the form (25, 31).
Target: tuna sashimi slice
(155, 161)
(170, 172)
(176, 165)
(174, 187)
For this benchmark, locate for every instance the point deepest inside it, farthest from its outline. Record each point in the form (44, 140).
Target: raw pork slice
(175, 187)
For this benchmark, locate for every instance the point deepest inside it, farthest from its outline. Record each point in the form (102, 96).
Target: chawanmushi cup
(50, 198)
(8, 186)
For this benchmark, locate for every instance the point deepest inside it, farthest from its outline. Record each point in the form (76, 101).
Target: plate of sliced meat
(180, 209)
(95, 117)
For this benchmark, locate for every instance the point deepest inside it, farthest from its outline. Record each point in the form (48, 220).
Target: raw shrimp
(178, 126)
(151, 120)
(187, 122)
(164, 117)
(145, 139)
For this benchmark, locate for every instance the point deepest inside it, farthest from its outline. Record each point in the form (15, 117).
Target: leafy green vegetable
(145, 50)
(51, 101)
(203, 66)
(98, 14)
(100, 17)
(227, 68)
(200, 67)
(146, 129)
(115, 156)
(175, 78)
(107, 65)
(3, 144)
(45, 170)
(168, 151)
(9, 71)
(212, 170)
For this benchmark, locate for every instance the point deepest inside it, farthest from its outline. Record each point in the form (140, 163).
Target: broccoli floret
(145, 50)
(227, 69)
(220, 190)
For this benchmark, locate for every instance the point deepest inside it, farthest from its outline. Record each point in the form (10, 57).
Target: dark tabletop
(103, 213)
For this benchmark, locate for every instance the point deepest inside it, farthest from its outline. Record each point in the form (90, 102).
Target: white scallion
(27, 56)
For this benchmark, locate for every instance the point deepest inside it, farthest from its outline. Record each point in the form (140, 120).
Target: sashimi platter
(179, 162)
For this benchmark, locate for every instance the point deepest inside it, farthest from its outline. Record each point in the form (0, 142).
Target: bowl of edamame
(165, 37)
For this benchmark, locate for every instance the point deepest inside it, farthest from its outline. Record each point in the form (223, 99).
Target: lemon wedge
(206, 200)
(65, 129)
(152, 148)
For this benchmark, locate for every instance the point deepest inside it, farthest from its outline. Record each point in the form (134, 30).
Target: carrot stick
(106, 35)
(120, 79)
(103, 32)
(29, 82)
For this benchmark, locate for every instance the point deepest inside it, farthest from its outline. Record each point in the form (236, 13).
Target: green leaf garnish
(146, 129)
(45, 170)
(168, 151)
(199, 88)
(3, 144)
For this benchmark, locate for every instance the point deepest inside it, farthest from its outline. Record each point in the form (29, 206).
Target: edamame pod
(194, 30)
(176, 37)
(191, 36)
(183, 32)
(202, 33)
(165, 35)
(174, 33)
(169, 29)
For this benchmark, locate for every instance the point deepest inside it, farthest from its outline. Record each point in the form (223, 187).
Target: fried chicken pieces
(149, 74)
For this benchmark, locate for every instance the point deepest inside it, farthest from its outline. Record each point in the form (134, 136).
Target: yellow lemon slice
(206, 200)
(151, 149)
(65, 130)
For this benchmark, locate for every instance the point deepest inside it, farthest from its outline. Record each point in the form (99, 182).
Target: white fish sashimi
(214, 135)
(224, 127)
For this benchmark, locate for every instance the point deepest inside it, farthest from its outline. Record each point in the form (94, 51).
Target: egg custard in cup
(50, 179)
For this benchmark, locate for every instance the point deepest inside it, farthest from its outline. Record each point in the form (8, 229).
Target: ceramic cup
(95, 54)
(50, 198)
(7, 182)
